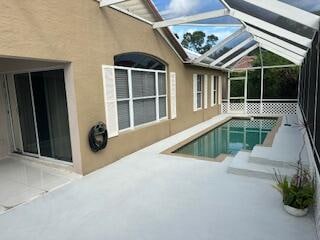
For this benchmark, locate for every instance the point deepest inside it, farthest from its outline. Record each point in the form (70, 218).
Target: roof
(284, 27)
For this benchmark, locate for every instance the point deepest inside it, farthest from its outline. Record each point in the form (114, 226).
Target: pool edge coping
(221, 157)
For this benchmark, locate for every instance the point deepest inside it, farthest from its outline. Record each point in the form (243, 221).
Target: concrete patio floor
(151, 196)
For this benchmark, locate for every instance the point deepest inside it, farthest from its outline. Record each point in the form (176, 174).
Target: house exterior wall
(79, 32)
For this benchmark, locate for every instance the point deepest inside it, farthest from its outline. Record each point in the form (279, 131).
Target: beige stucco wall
(80, 32)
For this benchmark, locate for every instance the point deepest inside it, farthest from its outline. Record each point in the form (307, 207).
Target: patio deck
(147, 195)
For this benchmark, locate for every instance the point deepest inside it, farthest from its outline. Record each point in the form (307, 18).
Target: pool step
(241, 165)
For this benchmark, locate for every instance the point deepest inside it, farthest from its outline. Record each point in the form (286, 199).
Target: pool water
(230, 138)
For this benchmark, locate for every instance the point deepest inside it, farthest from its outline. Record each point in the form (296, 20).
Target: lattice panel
(236, 107)
(279, 108)
(253, 108)
(224, 107)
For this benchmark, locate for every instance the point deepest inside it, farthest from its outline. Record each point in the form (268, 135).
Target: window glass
(162, 107)
(162, 83)
(122, 86)
(229, 45)
(215, 88)
(123, 114)
(271, 17)
(138, 60)
(143, 99)
(143, 84)
(169, 9)
(237, 53)
(144, 111)
(199, 90)
(309, 5)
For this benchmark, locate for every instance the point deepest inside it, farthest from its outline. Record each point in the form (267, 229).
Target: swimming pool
(230, 138)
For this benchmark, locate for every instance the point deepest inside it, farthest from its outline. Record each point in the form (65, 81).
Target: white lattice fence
(279, 108)
(269, 108)
(224, 107)
(236, 107)
(253, 108)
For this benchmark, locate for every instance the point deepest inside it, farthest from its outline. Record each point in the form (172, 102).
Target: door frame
(244, 98)
(37, 156)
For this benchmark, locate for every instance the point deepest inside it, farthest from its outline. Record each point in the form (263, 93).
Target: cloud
(181, 7)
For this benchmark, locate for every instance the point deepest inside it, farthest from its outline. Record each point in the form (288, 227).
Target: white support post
(271, 28)
(246, 94)
(277, 41)
(261, 87)
(219, 45)
(240, 56)
(288, 11)
(230, 52)
(193, 18)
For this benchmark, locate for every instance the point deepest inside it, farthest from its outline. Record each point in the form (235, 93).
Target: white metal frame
(263, 103)
(105, 3)
(244, 53)
(277, 41)
(283, 9)
(272, 28)
(274, 49)
(131, 99)
(288, 11)
(193, 18)
(231, 51)
(219, 45)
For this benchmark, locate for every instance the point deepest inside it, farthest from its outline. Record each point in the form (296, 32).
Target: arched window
(138, 60)
(141, 88)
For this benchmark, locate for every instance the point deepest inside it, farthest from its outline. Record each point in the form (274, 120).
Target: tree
(198, 41)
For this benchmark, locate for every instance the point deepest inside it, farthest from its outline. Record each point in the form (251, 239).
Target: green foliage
(299, 192)
(238, 74)
(268, 58)
(254, 84)
(281, 83)
(198, 41)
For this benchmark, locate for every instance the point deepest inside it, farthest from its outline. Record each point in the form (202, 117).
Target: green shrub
(299, 192)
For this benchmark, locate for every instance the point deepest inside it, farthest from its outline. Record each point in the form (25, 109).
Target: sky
(177, 8)
(220, 32)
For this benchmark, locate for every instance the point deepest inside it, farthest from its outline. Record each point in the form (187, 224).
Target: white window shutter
(220, 90)
(110, 99)
(211, 91)
(205, 89)
(173, 95)
(195, 107)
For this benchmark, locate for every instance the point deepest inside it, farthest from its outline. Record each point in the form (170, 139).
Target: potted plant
(298, 193)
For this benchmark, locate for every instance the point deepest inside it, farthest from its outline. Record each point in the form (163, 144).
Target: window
(141, 96)
(200, 79)
(214, 88)
(138, 60)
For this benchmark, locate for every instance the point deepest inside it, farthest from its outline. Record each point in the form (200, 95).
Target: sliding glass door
(26, 113)
(43, 114)
(52, 114)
